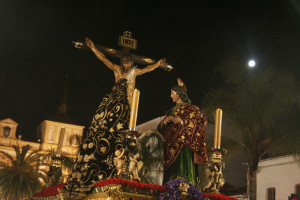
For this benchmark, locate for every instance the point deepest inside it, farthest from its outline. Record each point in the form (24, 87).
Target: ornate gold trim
(114, 192)
(214, 172)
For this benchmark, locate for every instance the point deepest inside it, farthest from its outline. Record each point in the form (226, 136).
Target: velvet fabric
(103, 138)
(189, 133)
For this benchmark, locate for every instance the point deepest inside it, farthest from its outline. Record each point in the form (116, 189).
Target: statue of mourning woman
(178, 147)
(183, 131)
(95, 160)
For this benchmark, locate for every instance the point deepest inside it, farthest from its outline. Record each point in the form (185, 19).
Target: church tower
(49, 130)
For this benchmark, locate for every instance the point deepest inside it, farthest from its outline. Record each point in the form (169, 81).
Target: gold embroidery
(191, 125)
(85, 166)
(192, 115)
(91, 145)
(172, 151)
(79, 157)
(119, 126)
(89, 157)
(78, 175)
(103, 149)
(97, 116)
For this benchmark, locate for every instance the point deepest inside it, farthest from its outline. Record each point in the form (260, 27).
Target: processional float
(132, 188)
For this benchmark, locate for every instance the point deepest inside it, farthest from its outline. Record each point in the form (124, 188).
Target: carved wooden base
(116, 196)
(115, 192)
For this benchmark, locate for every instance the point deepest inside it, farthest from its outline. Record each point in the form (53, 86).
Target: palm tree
(20, 178)
(257, 103)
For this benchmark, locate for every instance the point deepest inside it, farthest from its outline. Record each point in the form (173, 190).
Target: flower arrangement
(174, 190)
(50, 191)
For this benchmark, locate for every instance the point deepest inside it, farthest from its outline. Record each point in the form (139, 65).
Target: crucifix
(125, 69)
(126, 42)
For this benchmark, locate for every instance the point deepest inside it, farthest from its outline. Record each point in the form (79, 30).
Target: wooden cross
(127, 43)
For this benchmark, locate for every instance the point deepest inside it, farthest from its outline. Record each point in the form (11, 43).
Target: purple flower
(173, 192)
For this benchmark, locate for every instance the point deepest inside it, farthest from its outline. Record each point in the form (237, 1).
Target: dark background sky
(36, 50)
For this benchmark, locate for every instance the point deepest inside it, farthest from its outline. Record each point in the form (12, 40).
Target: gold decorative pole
(214, 173)
(134, 110)
(130, 136)
(218, 128)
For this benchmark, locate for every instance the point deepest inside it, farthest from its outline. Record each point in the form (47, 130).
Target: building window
(298, 190)
(271, 194)
(6, 131)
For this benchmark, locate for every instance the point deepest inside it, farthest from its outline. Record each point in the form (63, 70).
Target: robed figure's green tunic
(184, 142)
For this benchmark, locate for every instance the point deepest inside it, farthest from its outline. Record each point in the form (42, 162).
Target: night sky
(36, 51)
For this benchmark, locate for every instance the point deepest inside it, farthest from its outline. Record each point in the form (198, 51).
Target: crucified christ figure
(104, 136)
(125, 70)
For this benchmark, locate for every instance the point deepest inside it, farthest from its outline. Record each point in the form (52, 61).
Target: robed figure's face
(175, 97)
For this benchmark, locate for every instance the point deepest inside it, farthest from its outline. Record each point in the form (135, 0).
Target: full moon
(251, 63)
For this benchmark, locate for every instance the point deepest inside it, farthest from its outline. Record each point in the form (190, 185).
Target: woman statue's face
(175, 97)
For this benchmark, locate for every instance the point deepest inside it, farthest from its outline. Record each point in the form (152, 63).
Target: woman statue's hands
(169, 119)
(175, 120)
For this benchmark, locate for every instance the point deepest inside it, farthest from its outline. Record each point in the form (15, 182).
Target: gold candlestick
(218, 127)
(214, 172)
(134, 110)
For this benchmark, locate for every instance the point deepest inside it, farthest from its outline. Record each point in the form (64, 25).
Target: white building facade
(278, 178)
